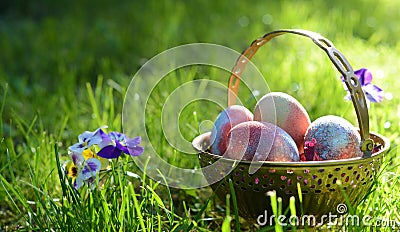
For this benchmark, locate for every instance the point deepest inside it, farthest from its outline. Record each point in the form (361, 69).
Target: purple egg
(261, 141)
(334, 138)
(227, 119)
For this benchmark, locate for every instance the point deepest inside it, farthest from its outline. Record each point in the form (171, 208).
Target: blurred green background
(50, 49)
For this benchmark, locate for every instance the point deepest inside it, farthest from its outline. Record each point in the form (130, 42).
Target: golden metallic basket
(319, 181)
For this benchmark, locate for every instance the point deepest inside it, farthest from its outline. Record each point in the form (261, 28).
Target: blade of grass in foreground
(13, 193)
(235, 207)
(274, 205)
(3, 103)
(198, 215)
(169, 215)
(93, 103)
(300, 194)
(292, 207)
(226, 225)
(137, 207)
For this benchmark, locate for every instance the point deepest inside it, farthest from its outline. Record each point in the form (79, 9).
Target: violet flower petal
(121, 147)
(133, 142)
(106, 140)
(135, 151)
(77, 148)
(78, 159)
(91, 138)
(109, 152)
(88, 139)
(364, 76)
(91, 167)
(117, 136)
(373, 93)
(78, 182)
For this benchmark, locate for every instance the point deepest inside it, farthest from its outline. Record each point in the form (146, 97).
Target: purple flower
(91, 154)
(88, 139)
(81, 170)
(115, 143)
(372, 92)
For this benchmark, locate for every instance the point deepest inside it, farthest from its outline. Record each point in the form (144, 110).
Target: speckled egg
(227, 119)
(286, 112)
(334, 138)
(260, 141)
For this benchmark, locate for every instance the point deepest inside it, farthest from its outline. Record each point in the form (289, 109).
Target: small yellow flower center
(88, 154)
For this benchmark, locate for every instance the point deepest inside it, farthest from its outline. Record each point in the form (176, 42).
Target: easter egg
(333, 138)
(286, 112)
(260, 141)
(227, 119)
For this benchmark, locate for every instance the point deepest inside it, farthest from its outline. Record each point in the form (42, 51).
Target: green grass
(65, 68)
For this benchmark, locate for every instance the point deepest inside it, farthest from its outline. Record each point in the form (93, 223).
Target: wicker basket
(321, 183)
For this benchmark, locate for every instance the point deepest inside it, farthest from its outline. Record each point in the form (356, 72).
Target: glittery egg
(227, 119)
(286, 112)
(260, 141)
(334, 138)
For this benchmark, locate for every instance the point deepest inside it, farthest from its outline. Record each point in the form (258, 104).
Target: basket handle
(337, 58)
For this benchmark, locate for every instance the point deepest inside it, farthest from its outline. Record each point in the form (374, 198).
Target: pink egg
(286, 112)
(227, 119)
(260, 141)
(333, 138)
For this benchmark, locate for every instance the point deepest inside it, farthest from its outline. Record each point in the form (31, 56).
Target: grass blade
(274, 205)
(235, 207)
(3, 103)
(137, 207)
(292, 207)
(93, 103)
(226, 225)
